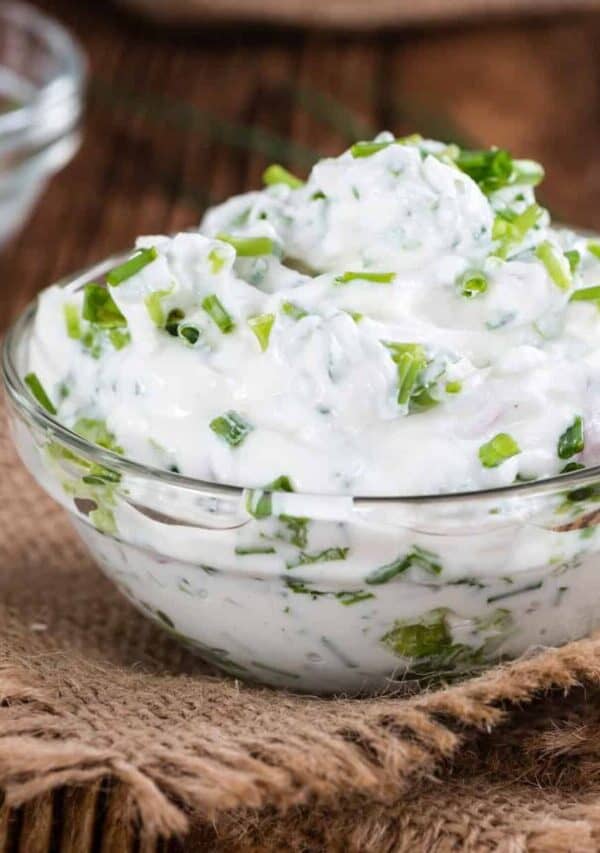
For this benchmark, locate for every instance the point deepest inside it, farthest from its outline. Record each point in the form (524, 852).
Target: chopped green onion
(572, 440)
(491, 168)
(454, 387)
(574, 259)
(259, 502)
(356, 316)
(527, 172)
(349, 598)
(119, 338)
(153, 303)
(417, 556)
(510, 228)
(594, 248)
(261, 325)
(231, 427)
(472, 283)
(174, 317)
(377, 277)
(98, 433)
(411, 361)
(72, 321)
(37, 390)
(218, 314)
(426, 639)
(216, 261)
(496, 451)
(248, 247)
(243, 551)
(189, 333)
(366, 149)
(327, 556)
(141, 259)
(294, 311)
(557, 266)
(100, 308)
(275, 174)
(572, 466)
(586, 294)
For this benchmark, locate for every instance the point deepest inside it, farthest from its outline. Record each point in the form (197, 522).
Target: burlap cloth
(112, 735)
(343, 14)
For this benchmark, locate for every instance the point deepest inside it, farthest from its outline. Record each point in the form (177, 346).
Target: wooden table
(177, 120)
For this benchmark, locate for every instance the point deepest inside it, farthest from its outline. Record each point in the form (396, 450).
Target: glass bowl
(323, 593)
(42, 75)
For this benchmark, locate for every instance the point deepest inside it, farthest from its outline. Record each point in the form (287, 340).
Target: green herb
(411, 361)
(350, 598)
(257, 549)
(425, 639)
(297, 528)
(527, 172)
(366, 149)
(377, 277)
(231, 427)
(496, 451)
(294, 311)
(586, 294)
(248, 247)
(501, 596)
(574, 259)
(326, 556)
(258, 501)
(98, 433)
(103, 520)
(510, 228)
(356, 316)
(218, 314)
(472, 283)
(491, 168)
(216, 261)
(37, 391)
(594, 248)
(454, 387)
(261, 325)
(153, 303)
(417, 556)
(557, 266)
(276, 174)
(302, 588)
(572, 466)
(174, 318)
(119, 338)
(100, 308)
(72, 321)
(572, 440)
(141, 259)
(189, 333)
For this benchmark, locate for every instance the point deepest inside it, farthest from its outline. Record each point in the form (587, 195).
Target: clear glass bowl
(318, 593)
(42, 76)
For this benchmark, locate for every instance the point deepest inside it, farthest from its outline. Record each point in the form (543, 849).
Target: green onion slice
(557, 266)
(231, 427)
(100, 308)
(574, 259)
(276, 174)
(261, 325)
(72, 321)
(411, 361)
(141, 259)
(377, 277)
(586, 294)
(572, 440)
(496, 451)
(37, 390)
(218, 314)
(472, 283)
(248, 247)
(98, 433)
(153, 303)
(189, 333)
(290, 309)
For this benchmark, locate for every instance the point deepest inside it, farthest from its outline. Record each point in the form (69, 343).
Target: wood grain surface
(178, 120)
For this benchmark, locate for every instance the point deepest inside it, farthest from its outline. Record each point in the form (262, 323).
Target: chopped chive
(417, 556)
(37, 390)
(216, 261)
(328, 555)
(294, 311)
(496, 451)
(594, 248)
(257, 549)
(141, 259)
(259, 502)
(72, 321)
(557, 266)
(411, 361)
(174, 318)
(377, 277)
(276, 174)
(454, 387)
(356, 316)
(572, 440)
(153, 303)
(574, 259)
(586, 294)
(366, 149)
(100, 308)
(261, 325)
(318, 196)
(426, 639)
(189, 333)
(510, 228)
(350, 598)
(472, 283)
(231, 427)
(97, 432)
(527, 172)
(248, 247)
(572, 466)
(491, 169)
(119, 338)
(218, 314)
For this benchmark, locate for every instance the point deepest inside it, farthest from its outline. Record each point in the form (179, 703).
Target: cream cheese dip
(406, 322)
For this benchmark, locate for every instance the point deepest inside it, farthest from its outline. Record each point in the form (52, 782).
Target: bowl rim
(28, 406)
(66, 84)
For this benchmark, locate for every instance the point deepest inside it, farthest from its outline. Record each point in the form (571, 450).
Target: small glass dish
(42, 77)
(323, 593)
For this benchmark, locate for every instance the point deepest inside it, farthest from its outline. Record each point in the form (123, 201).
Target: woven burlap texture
(90, 691)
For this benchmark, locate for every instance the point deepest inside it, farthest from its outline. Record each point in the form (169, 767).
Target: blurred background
(189, 100)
